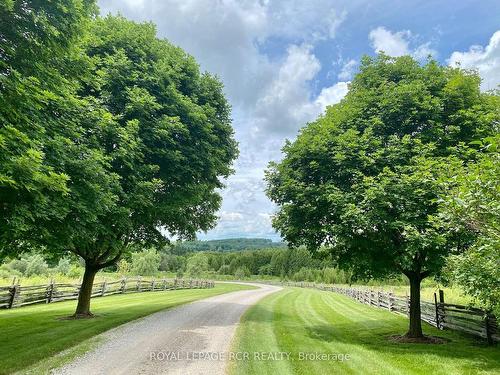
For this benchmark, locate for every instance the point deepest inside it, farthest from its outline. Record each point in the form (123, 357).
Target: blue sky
(282, 62)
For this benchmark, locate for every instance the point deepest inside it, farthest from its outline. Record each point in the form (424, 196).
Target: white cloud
(423, 51)
(399, 43)
(304, 20)
(485, 59)
(286, 104)
(348, 70)
(393, 44)
(230, 216)
(332, 95)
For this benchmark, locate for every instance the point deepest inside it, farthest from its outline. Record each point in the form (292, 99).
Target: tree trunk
(83, 307)
(415, 330)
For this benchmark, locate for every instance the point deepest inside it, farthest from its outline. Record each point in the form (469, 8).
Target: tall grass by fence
(439, 314)
(17, 295)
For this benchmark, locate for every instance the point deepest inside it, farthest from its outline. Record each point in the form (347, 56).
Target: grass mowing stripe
(362, 353)
(326, 330)
(33, 333)
(298, 324)
(257, 320)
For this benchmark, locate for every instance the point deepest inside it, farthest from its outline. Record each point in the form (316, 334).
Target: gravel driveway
(188, 339)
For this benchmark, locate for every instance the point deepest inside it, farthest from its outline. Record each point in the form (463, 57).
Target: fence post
(103, 288)
(487, 327)
(390, 301)
(436, 306)
(443, 307)
(50, 291)
(138, 288)
(14, 292)
(122, 287)
(153, 284)
(441, 296)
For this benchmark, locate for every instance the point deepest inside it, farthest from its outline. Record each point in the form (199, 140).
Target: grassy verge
(30, 334)
(311, 321)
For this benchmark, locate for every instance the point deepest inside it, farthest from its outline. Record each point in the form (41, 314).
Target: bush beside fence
(477, 322)
(17, 295)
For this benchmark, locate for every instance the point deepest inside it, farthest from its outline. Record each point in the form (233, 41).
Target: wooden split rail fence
(17, 295)
(442, 315)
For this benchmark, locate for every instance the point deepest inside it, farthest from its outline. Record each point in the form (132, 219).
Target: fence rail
(17, 295)
(439, 314)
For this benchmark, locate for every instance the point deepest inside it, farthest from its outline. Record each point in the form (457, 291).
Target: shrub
(18, 265)
(197, 264)
(145, 263)
(6, 272)
(225, 269)
(64, 266)
(242, 272)
(123, 267)
(35, 265)
(75, 271)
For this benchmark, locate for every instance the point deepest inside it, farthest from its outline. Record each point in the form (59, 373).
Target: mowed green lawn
(30, 334)
(311, 321)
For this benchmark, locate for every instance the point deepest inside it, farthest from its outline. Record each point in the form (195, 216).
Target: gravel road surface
(189, 339)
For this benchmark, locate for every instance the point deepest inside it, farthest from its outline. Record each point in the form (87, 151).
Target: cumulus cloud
(286, 103)
(485, 59)
(393, 44)
(331, 95)
(303, 20)
(399, 43)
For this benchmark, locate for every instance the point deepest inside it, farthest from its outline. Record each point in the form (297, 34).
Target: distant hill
(228, 244)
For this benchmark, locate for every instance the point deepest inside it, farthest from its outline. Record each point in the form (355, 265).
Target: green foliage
(123, 267)
(40, 62)
(225, 269)
(197, 265)
(171, 262)
(472, 201)
(19, 265)
(75, 271)
(30, 264)
(63, 266)
(327, 275)
(241, 273)
(145, 263)
(35, 264)
(477, 272)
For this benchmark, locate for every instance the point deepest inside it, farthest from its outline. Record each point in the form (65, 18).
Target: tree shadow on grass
(459, 346)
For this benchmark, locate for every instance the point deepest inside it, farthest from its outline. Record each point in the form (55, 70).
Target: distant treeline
(228, 244)
(292, 264)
